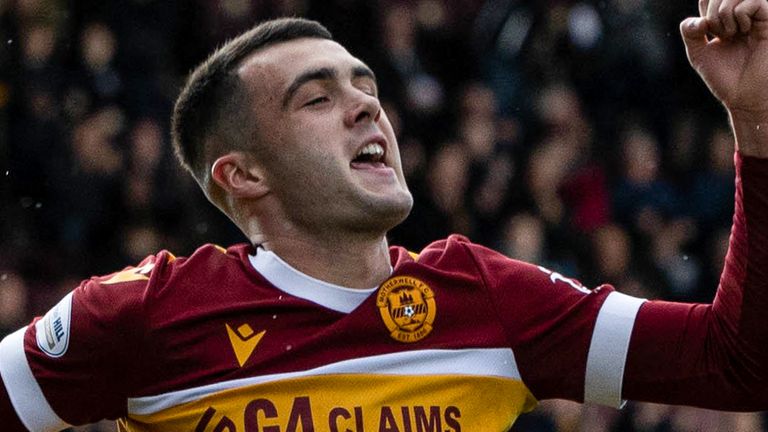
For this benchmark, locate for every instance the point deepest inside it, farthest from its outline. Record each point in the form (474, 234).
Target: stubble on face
(307, 151)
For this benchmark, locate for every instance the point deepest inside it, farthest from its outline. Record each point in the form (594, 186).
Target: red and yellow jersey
(458, 338)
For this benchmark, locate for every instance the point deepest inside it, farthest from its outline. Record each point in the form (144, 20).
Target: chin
(401, 211)
(382, 215)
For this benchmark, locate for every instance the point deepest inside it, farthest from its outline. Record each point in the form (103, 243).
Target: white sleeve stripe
(24, 391)
(608, 349)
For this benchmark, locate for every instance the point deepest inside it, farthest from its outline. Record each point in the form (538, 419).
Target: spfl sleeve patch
(53, 329)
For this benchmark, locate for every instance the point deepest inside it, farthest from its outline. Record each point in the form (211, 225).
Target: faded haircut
(212, 114)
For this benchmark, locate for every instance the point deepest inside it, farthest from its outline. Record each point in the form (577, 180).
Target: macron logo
(244, 341)
(52, 331)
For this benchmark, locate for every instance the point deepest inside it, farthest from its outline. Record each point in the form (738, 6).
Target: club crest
(407, 307)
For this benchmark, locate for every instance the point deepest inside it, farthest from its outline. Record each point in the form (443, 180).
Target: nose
(363, 108)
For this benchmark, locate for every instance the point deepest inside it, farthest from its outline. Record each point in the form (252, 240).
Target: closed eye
(317, 101)
(368, 88)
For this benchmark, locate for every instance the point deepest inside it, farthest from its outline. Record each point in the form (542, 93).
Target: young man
(321, 326)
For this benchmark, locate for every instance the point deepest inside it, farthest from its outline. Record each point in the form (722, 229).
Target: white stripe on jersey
(24, 391)
(493, 362)
(608, 349)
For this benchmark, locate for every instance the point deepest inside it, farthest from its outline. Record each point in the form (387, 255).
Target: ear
(239, 176)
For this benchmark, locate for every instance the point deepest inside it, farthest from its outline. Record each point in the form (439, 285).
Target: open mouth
(370, 156)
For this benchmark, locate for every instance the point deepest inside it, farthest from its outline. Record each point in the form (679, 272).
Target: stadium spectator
(713, 182)
(642, 199)
(14, 296)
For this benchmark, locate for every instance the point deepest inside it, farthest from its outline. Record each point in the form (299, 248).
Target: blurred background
(572, 134)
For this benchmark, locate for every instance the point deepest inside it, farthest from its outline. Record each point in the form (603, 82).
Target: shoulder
(130, 289)
(458, 250)
(456, 255)
(204, 262)
(434, 251)
(458, 258)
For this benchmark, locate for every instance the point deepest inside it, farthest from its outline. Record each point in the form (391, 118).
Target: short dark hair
(213, 102)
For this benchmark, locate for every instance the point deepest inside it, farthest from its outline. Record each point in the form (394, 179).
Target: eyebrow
(322, 74)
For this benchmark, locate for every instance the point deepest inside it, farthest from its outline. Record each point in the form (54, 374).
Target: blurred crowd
(568, 133)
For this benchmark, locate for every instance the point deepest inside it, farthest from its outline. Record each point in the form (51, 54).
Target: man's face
(327, 148)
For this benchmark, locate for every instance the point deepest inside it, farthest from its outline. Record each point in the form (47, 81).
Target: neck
(352, 263)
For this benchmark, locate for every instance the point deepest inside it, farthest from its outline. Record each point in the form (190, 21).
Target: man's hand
(734, 64)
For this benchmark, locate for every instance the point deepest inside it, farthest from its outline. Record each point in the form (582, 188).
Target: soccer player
(319, 325)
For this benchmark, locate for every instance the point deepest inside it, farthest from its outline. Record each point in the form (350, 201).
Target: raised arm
(713, 356)
(716, 356)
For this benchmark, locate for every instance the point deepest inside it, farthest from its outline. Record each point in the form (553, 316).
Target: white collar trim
(291, 281)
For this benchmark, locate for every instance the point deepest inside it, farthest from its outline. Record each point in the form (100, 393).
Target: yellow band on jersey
(350, 403)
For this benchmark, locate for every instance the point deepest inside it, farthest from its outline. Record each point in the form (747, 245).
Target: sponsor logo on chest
(262, 414)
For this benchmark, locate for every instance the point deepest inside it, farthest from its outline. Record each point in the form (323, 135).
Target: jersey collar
(291, 281)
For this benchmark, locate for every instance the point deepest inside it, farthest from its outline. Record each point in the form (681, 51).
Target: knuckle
(726, 18)
(713, 15)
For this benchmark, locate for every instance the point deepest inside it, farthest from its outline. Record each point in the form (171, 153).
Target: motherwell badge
(407, 307)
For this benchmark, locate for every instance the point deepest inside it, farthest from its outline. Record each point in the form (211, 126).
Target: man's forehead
(282, 62)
